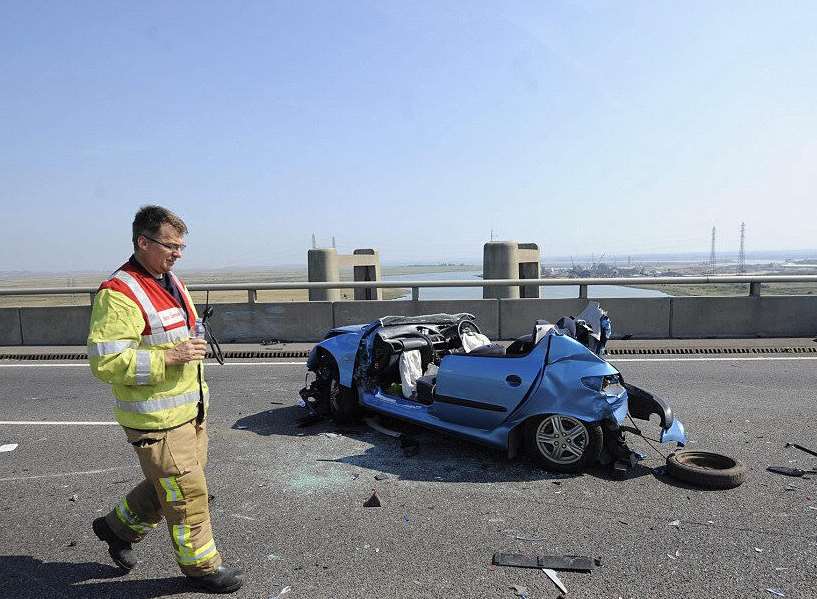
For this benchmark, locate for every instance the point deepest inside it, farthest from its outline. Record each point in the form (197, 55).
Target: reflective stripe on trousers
(129, 519)
(186, 555)
(172, 490)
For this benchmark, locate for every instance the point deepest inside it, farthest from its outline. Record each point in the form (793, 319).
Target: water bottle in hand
(197, 330)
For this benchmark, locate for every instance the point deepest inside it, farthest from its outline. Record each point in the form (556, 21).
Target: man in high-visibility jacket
(139, 342)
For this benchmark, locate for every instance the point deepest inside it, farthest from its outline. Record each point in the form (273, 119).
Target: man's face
(158, 258)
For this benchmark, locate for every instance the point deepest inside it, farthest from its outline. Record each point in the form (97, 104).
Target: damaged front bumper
(642, 404)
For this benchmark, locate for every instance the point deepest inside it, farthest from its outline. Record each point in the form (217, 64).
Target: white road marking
(82, 423)
(697, 359)
(61, 474)
(85, 365)
(753, 359)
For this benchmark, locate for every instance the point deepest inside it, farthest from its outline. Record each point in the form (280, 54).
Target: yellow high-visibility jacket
(133, 321)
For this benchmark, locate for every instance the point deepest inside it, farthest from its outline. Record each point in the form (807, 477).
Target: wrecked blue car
(550, 391)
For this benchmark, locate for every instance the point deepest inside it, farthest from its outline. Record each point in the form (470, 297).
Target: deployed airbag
(471, 341)
(411, 369)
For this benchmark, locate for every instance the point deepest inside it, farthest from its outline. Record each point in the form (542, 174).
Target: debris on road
(8, 447)
(777, 592)
(373, 501)
(73, 497)
(381, 477)
(575, 563)
(706, 470)
(675, 523)
(375, 425)
(676, 556)
(331, 435)
(243, 517)
(519, 590)
(785, 470)
(758, 550)
(552, 575)
(283, 592)
(801, 448)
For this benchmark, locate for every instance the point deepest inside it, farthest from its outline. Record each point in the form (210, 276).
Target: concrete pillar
(500, 260)
(322, 265)
(368, 272)
(529, 268)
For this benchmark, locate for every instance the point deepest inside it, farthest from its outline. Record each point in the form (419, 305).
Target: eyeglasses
(173, 247)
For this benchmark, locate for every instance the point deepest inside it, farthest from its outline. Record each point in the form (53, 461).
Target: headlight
(610, 385)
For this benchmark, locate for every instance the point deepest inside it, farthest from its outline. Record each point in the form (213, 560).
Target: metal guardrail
(252, 289)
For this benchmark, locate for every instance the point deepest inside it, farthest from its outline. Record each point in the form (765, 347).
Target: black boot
(120, 551)
(224, 580)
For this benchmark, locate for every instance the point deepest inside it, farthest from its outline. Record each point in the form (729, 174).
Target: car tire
(706, 470)
(562, 443)
(343, 406)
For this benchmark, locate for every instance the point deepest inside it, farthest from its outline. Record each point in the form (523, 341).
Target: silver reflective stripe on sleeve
(160, 403)
(153, 316)
(107, 348)
(143, 367)
(171, 336)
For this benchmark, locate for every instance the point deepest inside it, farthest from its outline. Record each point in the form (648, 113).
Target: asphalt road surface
(288, 504)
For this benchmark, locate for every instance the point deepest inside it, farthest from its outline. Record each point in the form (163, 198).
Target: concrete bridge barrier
(500, 318)
(765, 316)
(646, 318)
(10, 330)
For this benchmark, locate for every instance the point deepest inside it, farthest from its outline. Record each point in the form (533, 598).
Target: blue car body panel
(567, 387)
(343, 348)
(484, 398)
(474, 390)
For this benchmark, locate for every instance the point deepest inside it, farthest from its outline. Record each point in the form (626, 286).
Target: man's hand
(189, 351)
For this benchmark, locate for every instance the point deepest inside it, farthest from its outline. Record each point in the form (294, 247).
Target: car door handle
(513, 380)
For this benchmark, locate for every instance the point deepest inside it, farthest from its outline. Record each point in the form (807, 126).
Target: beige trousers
(173, 463)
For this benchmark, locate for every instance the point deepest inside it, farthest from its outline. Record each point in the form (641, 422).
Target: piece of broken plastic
(552, 575)
(375, 425)
(8, 447)
(777, 592)
(283, 592)
(373, 501)
(674, 433)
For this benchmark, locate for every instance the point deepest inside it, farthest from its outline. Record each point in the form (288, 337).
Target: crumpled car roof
(388, 321)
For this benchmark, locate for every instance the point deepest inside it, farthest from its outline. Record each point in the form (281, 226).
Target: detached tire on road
(706, 470)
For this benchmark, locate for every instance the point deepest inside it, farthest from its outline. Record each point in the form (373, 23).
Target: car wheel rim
(562, 439)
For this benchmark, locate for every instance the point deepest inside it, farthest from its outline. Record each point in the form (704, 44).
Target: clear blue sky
(412, 127)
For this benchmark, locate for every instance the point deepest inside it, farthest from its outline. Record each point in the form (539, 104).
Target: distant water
(549, 292)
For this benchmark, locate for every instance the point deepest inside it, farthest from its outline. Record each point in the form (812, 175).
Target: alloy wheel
(562, 439)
